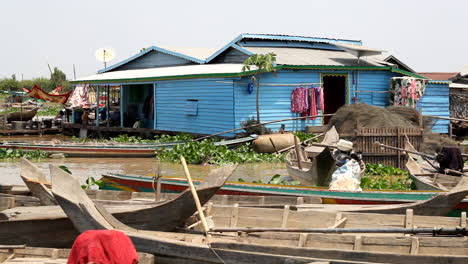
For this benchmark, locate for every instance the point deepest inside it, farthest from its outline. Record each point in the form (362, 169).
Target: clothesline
(278, 84)
(361, 91)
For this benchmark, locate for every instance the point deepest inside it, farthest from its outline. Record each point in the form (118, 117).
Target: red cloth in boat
(103, 247)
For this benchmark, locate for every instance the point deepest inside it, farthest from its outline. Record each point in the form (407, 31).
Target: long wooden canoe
(367, 197)
(74, 149)
(85, 216)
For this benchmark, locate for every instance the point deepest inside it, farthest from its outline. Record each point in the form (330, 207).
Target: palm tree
(262, 63)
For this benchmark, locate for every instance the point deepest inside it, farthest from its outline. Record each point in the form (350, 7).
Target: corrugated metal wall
(435, 101)
(275, 101)
(154, 59)
(222, 105)
(373, 87)
(215, 105)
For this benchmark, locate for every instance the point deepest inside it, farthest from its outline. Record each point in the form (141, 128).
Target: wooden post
(298, 153)
(399, 146)
(195, 195)
(158, 189)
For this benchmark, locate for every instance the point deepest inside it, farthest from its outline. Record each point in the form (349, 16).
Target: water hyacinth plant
(19, 153)
(205, 151)
(381, 177)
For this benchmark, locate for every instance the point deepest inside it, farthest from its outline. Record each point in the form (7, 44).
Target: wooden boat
(74, 149)
(316, 163)
(37, 182)
(366, 197)
(19, 254)
(425, 177)
(22, 116)
(86, 216)
(33, 224)
(440, 205)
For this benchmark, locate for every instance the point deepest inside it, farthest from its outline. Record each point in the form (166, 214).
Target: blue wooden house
(205, 91)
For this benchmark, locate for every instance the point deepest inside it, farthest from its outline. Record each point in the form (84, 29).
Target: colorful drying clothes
(299, 102)
(406, 91)
(312, 103)
(38, 93)
(80, 96)
(307, 102)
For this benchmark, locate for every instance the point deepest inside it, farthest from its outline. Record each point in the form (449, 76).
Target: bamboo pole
(424, 230)
(400, 149)
(425, 156)
(274, 146)
(447, 118)
(307, 140)
(195, 195)
(260, 124)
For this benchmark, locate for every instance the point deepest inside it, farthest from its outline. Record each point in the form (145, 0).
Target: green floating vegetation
(276, 179)
(381, 177)
(19, 153)
(205, 151)
(124, 138)
(92, 183)
(304, 136)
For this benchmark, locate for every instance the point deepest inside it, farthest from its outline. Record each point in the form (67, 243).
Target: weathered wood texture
(86, 216)
(365, 137)
(49, 255)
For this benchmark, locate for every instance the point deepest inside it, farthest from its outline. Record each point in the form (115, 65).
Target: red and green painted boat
(177, 184)
(74, 149)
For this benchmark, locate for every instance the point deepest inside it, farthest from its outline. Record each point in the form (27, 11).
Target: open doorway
(334, 93)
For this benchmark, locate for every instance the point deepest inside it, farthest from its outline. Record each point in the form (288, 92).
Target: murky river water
(95, 167)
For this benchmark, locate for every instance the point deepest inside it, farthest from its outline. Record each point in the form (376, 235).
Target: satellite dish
(105, 55)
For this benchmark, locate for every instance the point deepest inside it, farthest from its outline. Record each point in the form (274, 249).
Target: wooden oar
(404, 150)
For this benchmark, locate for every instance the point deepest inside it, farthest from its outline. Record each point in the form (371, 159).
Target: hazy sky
(427, 35)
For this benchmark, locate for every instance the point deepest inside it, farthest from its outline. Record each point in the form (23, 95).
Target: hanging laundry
(299, 100)
(319, 98)
(80, 97)
(313, 103)
(407, 91)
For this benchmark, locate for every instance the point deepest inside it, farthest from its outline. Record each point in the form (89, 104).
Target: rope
(212, 249)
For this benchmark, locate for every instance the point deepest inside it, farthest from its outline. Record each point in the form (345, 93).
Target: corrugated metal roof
(200, 53)
(301, 56)
(139, 75)
(155, 48)
(358, 50)
(439, 76)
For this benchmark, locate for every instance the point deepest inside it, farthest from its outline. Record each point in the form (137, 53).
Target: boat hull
(175, 184)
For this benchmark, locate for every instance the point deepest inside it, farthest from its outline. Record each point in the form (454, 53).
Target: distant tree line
(57, 78)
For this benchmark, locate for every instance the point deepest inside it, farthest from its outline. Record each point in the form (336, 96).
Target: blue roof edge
(148, 50)
(300, 38)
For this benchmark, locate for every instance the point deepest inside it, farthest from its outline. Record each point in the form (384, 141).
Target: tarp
(38, 93)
